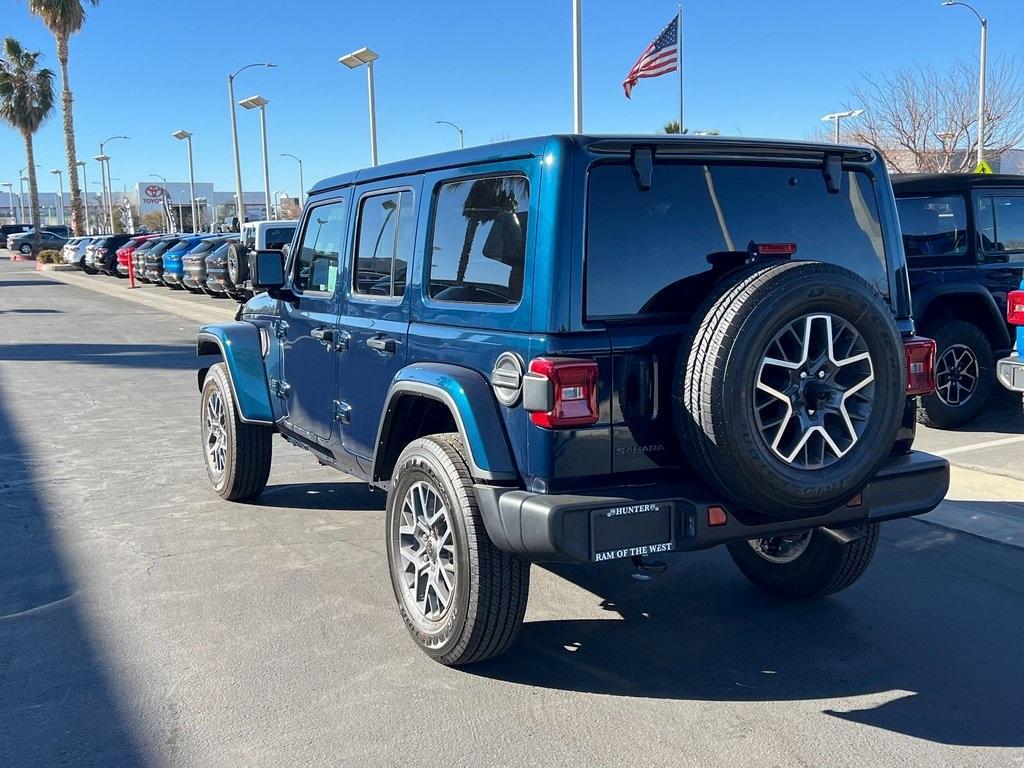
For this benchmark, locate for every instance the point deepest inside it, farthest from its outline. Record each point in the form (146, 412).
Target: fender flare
(238, 344)
(468, 397)
(925, 296)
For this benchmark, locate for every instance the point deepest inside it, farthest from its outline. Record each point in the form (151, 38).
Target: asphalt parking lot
(143, 621)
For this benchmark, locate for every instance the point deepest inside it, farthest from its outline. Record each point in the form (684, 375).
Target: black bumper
(648, 519)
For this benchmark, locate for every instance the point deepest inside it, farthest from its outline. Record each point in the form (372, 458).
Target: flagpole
(679, 29)
(577, 67)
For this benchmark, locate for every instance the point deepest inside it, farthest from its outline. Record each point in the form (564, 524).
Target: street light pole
(21, 192)
(302, 183)
(85, 199)
(239, 204)
(835, 117)
(60, 181)
(982, 63)
(260, 103)
(358, 58)
(109, 187)
(187, 138)
(462, 140)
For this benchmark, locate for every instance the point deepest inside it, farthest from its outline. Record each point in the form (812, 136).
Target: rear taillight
(561, 392)
(919, 354)
(1015, 308)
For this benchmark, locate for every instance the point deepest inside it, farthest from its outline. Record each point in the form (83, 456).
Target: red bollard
(131, 271)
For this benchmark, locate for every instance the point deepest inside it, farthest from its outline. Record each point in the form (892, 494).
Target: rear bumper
(644, 520)
(1010, 372)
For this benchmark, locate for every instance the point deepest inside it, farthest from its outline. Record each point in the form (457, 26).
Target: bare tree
(923, 120)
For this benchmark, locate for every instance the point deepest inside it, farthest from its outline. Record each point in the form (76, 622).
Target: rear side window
(478, 247)
(384, 244)
(1000, 226)
(933, 226)
(278, 237)
(315, 267)
(651, 252)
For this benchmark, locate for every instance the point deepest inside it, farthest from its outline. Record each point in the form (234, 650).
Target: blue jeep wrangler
(586, 348)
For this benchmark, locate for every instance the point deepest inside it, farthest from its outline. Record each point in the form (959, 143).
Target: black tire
(824, 567)
(24, 249)
(719, 367)
(248, 450)
(486, 607)
(238, 263)
(937, 410)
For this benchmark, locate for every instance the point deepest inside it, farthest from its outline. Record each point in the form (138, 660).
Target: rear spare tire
(238, 264)
(791, 388)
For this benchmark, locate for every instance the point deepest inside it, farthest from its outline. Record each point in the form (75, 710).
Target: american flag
(660, 57)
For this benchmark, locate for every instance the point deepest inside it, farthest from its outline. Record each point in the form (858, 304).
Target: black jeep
(963, 235)
(586, 348)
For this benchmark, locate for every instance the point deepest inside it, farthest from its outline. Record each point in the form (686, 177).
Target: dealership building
(147, 197)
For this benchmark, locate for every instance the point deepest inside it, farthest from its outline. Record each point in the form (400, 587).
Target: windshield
(696, 214)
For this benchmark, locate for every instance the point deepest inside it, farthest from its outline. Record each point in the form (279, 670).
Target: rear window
(651, 252)
(278, 237)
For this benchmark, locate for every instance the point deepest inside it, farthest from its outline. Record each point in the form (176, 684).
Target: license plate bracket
(632, 529)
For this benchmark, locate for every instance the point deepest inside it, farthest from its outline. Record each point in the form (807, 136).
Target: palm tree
(64, 18)
(26, 100)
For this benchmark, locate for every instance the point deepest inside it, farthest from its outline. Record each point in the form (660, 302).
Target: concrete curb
(40, 267)
(984, 505)
(148, 296)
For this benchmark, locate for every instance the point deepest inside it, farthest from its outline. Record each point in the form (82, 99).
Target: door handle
(382, 344)
(323, 335)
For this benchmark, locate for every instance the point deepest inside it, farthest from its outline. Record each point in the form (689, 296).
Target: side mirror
(267, 270)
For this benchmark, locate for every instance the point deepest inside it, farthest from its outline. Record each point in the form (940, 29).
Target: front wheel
(804, 565)
(237, 454)
(462, 598)
(25, 249)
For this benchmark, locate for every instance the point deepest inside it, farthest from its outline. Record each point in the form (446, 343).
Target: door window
(478, 248)
(933, 226)
(1000, 226)
(384, 244)
(315, 267)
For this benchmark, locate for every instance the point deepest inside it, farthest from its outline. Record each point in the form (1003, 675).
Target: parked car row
(216, 264)
(20, 238)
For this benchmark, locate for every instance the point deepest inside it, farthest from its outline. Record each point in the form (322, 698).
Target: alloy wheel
(814, 391)
(215, 434)
(426, 546)
(956, 375)
(781, 549)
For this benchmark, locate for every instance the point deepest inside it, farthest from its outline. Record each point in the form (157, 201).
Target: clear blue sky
(765, 68)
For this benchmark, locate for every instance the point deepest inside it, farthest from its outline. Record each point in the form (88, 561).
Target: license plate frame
(630, 530)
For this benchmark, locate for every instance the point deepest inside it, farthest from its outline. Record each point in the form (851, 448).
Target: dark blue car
(583, 349)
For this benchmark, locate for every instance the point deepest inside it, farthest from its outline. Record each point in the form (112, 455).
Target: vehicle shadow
(323, 496)
(928, 639)
(1002, 414)
(57, 704)
(173, 356)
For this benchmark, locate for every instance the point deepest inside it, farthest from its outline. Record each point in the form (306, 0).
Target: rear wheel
(964, 375)
(462, 598)
(237, 454)
(805, 565)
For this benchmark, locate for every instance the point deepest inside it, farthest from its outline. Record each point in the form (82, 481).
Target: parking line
(980, 446)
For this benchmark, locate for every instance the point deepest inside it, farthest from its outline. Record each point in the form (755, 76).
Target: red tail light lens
(919, 353)
(571, 398)
(1015, 308)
